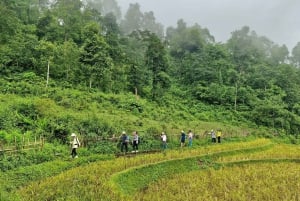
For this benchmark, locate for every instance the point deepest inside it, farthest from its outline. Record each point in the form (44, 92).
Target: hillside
(32, 109)
(78, 49)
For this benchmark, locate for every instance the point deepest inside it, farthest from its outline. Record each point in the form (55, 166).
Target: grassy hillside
(55, 112)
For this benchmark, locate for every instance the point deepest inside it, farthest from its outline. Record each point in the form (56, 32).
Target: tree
(45, 54)
(279, 54)
(68, 59)
(133, 19)
(184, 40)
(247, 48)
(95, 58)
(157, 62)
(9, 24)
(105, 7)
(296, 55)
(149, 23)
(134, 47)
(68, 19)
(16, 51)
(112, 32)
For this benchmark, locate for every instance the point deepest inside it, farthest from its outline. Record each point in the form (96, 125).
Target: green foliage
(248, 80)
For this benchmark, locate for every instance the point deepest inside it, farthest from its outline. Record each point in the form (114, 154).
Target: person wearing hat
(213, 136)
(135, 141)
(182, 139)
(74, 145)
(124, 141)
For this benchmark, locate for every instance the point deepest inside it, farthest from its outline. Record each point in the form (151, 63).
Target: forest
(82, 65)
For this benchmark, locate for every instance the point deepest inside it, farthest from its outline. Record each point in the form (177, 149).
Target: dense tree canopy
(87, 44)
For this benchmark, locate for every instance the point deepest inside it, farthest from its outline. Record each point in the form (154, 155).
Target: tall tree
(105, 7)
(296, 55)
(149, 23)
(279, 54)
(134, 47)
(95, 58)
(68, 18)
(133, 19)
(157, 62)
(68, 59)
(184, 39)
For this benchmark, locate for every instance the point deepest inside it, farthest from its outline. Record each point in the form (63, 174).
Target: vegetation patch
(137, 178)
(255, 180)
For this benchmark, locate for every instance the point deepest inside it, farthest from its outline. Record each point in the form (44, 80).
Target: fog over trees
(91, 45)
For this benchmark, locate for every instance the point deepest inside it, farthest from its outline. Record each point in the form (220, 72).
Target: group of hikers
(215, 137)
(125, 140)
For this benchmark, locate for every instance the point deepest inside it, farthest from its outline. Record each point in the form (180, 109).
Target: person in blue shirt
(124, 141)
(190, 137)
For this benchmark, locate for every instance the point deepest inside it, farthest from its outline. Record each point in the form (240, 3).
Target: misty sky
(278, 20)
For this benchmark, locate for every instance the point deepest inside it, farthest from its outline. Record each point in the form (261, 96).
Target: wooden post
(48, 72)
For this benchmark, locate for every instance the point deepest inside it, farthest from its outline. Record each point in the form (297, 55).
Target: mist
(278, 20)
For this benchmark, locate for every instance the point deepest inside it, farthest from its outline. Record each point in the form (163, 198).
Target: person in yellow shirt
(219, 133)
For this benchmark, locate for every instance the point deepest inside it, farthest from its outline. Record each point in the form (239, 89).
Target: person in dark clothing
(182, 139)
(124, 142)
(219, 133)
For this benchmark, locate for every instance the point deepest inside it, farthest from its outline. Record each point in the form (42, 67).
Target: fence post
(16, 147)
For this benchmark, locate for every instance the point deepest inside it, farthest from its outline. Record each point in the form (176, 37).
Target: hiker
(124, 141)
(74, 145)
(213, 136)
(219, 133)
(190, 137)
(135, 141)
(182, 139)
(164, 140)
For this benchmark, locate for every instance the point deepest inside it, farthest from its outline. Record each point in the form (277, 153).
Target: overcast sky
(278, 20)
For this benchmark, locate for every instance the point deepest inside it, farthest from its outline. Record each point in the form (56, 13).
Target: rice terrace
(255, 169)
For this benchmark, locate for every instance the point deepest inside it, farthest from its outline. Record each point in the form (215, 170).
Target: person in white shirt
(74, 145)
(190, 137)
(164, 140)
(213, 136)
(135, 141)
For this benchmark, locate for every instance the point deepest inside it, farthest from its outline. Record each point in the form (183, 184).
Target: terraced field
(255, 170)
